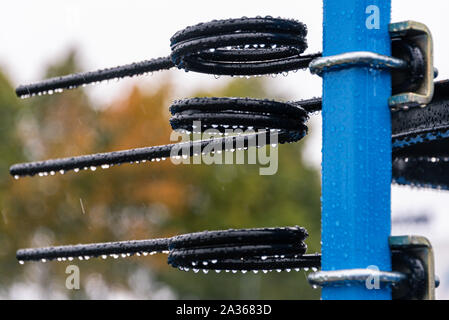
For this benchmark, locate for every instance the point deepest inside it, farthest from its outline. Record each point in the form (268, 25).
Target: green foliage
(137, 201)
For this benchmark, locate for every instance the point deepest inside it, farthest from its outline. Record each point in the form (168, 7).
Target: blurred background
(49, 38)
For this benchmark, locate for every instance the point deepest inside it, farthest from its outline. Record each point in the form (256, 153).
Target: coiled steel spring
(245, 46)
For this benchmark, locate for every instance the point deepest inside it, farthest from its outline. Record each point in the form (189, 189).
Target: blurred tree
(137, 201)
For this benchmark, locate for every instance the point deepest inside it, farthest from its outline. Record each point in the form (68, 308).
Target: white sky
(109, 33)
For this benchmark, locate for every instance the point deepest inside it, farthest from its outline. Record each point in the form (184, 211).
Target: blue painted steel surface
(356, 163)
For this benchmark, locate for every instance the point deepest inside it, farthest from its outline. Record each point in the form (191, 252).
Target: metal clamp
(414, 36)
(356, 58)
(413, 255)
(420, 36)
(351, 277)
(413, 277)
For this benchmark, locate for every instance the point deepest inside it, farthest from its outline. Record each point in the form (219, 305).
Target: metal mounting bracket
(420, 35)
(413, 64)
(417, 248)
(413, 276)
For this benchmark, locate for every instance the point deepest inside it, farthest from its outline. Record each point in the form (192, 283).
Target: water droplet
(21, 262)
(196, 270)
(16, 177)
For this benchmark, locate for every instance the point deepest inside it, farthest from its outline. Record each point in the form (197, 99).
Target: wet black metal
(75, 80)
(421, 142)
(93, 250)
(287, 119)
(243, 249)
(420, 135)
(414, 287)
(247, 249)
(245, 46)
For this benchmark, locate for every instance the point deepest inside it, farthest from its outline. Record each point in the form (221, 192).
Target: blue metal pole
(356, 166)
